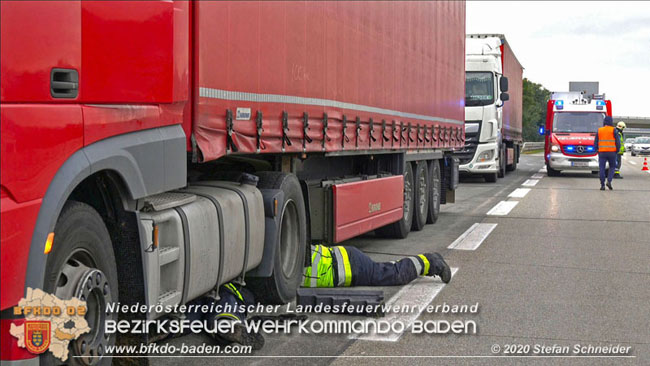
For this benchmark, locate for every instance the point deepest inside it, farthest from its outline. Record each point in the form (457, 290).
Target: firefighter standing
(620, 126)
(607, 143)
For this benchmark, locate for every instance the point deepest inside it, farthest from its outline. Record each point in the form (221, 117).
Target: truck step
(170, 297)
(168, 255)
(163, 201)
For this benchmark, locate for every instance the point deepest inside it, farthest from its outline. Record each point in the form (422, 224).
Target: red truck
(153, 150)
(572, 121)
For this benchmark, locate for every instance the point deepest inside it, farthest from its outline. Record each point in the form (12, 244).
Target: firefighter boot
(238, 333)
(438, 267)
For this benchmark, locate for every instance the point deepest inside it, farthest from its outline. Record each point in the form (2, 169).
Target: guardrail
(532, 146)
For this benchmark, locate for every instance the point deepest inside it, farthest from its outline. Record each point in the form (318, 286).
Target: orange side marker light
(48, 243)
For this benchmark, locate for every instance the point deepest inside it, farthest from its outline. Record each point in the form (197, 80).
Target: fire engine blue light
(570, 148)
(590, 148)
(542, 130)
(600, 102)
(559, 104)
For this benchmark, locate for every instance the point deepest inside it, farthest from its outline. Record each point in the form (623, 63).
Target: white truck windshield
(578, 122)
(479, 88)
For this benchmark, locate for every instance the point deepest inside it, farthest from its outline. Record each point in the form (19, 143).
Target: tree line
(534, 98)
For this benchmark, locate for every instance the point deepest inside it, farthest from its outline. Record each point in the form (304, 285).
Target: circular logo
(580, 149)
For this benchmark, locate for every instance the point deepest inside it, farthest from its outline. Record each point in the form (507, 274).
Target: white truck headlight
(555, 148)
(485, 156)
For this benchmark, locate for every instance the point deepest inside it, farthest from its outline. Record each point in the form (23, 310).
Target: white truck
(493, 107)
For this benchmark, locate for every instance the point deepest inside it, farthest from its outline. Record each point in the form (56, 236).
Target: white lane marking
(537, 176)
(416, 296)
(530, 182)
(473, 237)
(632, 162)
(519, 193)
(502, 208)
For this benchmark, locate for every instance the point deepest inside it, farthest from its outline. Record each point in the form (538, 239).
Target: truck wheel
(490, 177)
(421, 191)
(401, 228)
(82, 265)
(289, 257)
(434, 192)
(502, 161)
(552, 172)
(513, 166)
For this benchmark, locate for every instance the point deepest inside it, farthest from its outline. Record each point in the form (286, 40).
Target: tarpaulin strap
(305, 133)
(358, 129)
(383, 132)
(394, 131)
(401, 132)
(325, 137)
(435, 134)
(345, 138)
(372, 131)
(260, 129)
(426, 264)
(285, 130)
(426, 128)
(418, 134)
(230, 144)
(409, 134)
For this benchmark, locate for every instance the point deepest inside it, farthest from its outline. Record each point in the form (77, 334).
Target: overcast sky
(558, 42)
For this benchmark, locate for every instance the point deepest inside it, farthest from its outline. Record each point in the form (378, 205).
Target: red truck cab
(572, 121)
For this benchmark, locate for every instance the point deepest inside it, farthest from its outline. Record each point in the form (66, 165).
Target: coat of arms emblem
(37, 336)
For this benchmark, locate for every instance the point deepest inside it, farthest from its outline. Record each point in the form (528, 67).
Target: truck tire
(515, 158)
(401, 228)
(503, 159)
(552, 172)
(490, 177)
(289, 257)
(82, 265)
(421, 193)
(434, 192)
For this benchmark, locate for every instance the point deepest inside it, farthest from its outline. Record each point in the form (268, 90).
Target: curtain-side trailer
(155, 150)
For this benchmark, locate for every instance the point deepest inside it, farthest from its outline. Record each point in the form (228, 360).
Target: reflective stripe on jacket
(321, 272)
(606, 139)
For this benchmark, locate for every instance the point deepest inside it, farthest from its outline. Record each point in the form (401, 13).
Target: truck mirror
(503, 84)
(504, 97)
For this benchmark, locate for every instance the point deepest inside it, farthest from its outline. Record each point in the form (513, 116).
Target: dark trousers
(366, 272)
(609, 158)
(619, 161)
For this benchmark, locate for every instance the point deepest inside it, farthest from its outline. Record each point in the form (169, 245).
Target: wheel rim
(422, 192)
(289, 237)
(408, 194)
(80, 278)
(436, 191)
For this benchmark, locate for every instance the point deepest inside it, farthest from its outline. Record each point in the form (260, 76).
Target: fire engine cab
(572, 121)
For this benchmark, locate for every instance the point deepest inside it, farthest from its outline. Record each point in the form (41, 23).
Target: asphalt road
(567, 265)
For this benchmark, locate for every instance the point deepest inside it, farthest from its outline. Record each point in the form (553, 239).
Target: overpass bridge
(636, 126)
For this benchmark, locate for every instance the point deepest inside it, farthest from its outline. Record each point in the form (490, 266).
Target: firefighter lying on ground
(340, 266)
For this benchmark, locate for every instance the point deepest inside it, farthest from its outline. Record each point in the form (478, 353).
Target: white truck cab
(490, 146)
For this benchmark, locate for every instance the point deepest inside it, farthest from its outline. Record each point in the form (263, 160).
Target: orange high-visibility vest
(606, 140)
